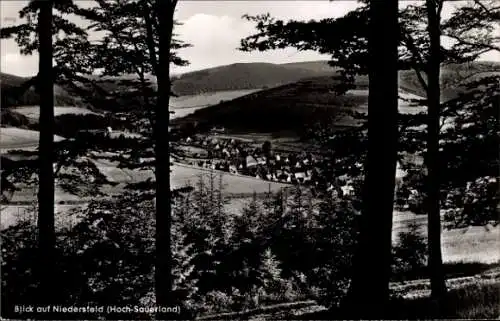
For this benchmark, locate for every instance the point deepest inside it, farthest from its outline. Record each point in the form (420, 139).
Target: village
(239, 157)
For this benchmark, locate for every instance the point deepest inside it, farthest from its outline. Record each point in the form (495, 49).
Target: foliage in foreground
(281, 248)
(222, 262)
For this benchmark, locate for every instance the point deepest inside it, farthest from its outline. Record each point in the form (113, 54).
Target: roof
(251, 160)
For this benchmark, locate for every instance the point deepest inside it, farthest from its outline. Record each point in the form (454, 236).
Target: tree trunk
(369, 292)
(163, 270)
(46, 234)
(438, 287)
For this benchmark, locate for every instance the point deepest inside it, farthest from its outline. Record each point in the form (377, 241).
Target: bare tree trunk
(163, 272)
(369, 292)
(46, 234)
(438, 286)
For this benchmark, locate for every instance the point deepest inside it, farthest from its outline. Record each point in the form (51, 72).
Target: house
(347, 189)
(299, 176)
(261, 161)
(250, 161)
(218, 129)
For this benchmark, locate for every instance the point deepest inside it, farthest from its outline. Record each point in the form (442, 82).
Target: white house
(251, 161)
(300, 176)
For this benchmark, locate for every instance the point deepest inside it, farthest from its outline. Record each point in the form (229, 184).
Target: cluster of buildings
(242, 158)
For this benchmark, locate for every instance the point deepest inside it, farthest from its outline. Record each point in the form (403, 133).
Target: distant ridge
(12, 97)
(239, 76)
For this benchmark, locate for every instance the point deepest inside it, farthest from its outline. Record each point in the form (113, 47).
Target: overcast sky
(214, 28)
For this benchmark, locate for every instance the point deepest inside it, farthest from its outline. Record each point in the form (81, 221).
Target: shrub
(410, 254)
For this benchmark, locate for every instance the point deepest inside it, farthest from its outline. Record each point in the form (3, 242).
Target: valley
(249, 117)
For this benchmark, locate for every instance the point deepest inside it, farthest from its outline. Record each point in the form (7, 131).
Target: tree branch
(494, 16)
(150, 38)
(477, 44)
(416, 59)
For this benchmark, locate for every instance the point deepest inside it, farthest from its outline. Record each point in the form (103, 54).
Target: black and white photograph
(250, 160)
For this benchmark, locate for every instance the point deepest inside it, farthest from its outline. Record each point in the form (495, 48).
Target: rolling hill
(286, 107)
(11, 95)
(297, 105)
(247, 76)
(452, 76)
(233, 77)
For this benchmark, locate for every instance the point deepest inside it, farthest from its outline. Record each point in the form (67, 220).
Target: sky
(213, 28)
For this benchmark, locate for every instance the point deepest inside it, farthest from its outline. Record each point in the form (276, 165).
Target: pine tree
(37, 34)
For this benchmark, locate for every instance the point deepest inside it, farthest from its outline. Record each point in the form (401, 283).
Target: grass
(34, 111)
(451, 270)
(185, 105)
(232, 184)
(476, 301)
(12, 137)
(467, 245)
(65, 215)
(183, 175)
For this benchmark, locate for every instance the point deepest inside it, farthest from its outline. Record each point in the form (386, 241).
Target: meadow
(33, 112)
(13, 138)
(185, 105)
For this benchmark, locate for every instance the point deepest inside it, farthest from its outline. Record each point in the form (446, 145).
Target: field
(33, 112)
(183, 175)
(232, 184)
(470, 244)
(17, 138)
(185, 105)
(65, 215)
(289, 108)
